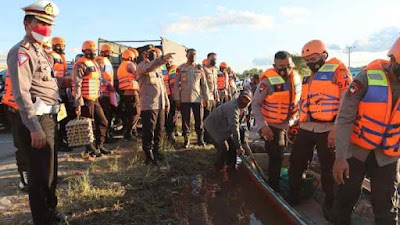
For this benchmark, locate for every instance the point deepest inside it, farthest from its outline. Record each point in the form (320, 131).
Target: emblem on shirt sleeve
(22, 58)
(262, 87)
(355, 87)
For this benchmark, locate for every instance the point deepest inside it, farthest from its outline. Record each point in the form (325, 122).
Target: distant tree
(300, 64)
(251, 72)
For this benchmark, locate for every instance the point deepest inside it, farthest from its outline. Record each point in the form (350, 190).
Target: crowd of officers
(353, 125)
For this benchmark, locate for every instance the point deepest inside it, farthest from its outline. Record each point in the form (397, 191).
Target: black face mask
(191, 58)
(89, 56)
(59, 51)
(212, 62)
(152, 56)
(284, 72)
(314, 66)
(396, 70)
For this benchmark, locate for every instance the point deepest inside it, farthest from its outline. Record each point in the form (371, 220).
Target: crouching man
(223, 125)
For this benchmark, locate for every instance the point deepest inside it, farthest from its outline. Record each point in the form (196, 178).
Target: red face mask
(41, 33)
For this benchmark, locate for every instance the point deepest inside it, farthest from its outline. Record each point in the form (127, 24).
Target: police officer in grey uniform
(153, 101)
(36, 93)
(211, 73)
(223, 125)
(193, 89)
(354, 162)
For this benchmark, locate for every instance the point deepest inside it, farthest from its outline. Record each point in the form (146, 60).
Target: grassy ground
(118, 189)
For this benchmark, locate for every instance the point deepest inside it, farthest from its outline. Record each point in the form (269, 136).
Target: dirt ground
(116, 189)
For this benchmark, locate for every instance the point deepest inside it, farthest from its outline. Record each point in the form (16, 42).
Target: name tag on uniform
(62, 114)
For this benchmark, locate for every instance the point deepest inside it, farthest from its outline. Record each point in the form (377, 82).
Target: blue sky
(245, 34)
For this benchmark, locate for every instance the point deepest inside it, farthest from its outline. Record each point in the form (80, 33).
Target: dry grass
(122, 190)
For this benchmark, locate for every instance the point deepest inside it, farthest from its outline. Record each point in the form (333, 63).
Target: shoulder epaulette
(26, 45)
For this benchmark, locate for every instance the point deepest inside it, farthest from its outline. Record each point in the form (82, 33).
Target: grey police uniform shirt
(193, 86)
(32, 76)
(258, 101)
(347, 115)
(152, 92)
(224, 123)
(211, 77)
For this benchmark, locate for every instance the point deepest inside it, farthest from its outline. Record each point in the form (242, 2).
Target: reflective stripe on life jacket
(320, 94)
(126, 80)
(60, 64)
(377, 125)
(283, 102)
(107, 74)
(8, 97)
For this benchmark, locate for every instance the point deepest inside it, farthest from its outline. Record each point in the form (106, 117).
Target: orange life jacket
(221, 81)
(320, 98)
(60, 64)
(172, 77)
(90, 81)
(107, 74)
(8, 97)
(165, 73)
(126, 80)
(377, 123)
(283, 103)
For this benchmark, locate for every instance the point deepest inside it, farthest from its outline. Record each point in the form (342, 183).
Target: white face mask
(40, 38)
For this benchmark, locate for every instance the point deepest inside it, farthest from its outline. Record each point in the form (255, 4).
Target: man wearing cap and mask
(223, 125)
(211, 73)
(153, 101)
(193, 89)
(323, 89)
(86, 91)
(368, 140)
(36, 93)
(275, 106)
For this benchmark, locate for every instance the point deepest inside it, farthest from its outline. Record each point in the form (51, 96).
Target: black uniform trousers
(275, 148)
(108, 109)
(42, 173)
(93, 110)
(302, 153)
(17, 127)
(153, 122)
(198, 118)
(226, 153)
(384, 194)
(131, 115)
(170, 124)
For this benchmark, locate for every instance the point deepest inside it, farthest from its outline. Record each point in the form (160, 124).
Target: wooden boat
(310, 210)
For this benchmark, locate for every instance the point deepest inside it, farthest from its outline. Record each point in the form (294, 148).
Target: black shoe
(59, 218)
(105, 151)
(147, 161)
(128, 136)
(186, 144)
(95, 153)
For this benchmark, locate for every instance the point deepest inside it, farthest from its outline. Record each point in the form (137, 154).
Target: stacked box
(79, 132)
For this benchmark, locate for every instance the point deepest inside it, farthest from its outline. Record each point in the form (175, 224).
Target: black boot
(200, 139)
(104, 151)
(148, 158)
(186, 144)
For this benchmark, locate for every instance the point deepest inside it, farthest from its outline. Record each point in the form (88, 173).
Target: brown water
(229, 198)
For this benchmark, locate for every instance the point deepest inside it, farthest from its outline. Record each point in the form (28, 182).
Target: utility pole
(349, 50)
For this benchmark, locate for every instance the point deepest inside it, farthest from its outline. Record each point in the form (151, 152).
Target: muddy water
(228, 198)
